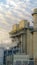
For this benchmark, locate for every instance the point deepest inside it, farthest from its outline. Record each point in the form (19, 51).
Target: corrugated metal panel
(22, 24)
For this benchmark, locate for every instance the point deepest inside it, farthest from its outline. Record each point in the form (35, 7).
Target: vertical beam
(26, 41)
(32, 44)
(23, 40)
(21, 45)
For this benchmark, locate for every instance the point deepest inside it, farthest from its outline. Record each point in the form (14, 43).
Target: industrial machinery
(17, 59)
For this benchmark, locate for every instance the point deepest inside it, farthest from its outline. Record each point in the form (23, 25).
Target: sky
(11, 12)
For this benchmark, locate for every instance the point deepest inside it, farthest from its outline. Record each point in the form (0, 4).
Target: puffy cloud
(17, 8)
(2, 19)
(12, 11)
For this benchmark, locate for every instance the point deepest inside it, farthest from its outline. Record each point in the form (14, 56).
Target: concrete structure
(35, 34)
(21, 35)
(27, 36)
(30, 44)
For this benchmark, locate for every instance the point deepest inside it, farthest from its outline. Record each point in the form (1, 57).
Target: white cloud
(7, 6)
(3, 34)
(2, 19)
(12, 12)
(20, 5)
(27, 0)
(0, 8)
(12, 3)
(7, 1)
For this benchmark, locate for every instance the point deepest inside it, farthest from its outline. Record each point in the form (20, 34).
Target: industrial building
(26, 46)
(35, 35)
(27, 36)
(24, 34)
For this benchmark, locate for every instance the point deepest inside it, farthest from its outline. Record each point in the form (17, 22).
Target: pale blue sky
(12, 11)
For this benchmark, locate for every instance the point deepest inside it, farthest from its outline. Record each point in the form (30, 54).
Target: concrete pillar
(24, 42)
(35, 33)
(29, 44)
